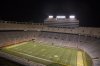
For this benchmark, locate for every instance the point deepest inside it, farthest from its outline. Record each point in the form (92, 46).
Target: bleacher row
(90, 31)
(13, 37)
(89, 44)
(12, 26)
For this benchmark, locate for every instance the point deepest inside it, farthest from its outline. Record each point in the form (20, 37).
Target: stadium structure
(58, 41)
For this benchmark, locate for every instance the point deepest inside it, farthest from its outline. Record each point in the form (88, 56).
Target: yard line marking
(80, 59)
(35, 57)
(55, 55)
(17, 45)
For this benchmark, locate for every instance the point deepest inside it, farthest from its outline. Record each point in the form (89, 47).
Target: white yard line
(15, 45)
(35, 57)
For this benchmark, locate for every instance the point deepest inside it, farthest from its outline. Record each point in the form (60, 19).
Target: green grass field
(48, 54)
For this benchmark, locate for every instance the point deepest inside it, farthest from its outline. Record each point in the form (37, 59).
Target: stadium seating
(89, 44)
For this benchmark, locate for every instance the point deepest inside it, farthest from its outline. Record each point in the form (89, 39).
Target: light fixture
(72, 17)
(50, 17)
(60, 17)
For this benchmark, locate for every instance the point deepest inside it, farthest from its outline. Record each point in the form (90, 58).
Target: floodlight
(50, 17)
(62, 17)
(72, 17)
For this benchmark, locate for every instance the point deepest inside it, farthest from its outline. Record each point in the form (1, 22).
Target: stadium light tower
(50, 17)
(72, 16)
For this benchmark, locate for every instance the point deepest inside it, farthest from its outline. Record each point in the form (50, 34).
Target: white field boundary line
(16, 45)
(80, 59)
(35, 57)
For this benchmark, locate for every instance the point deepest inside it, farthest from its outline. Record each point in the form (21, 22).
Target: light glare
(61, 17)
(50, 17)
(71, 16)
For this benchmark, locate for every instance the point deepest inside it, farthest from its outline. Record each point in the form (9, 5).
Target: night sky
(37, 10)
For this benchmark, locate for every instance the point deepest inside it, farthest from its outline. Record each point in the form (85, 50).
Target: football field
(49, 54)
